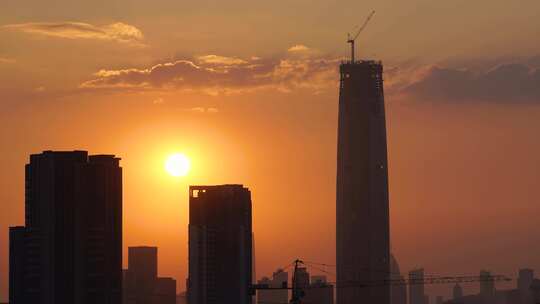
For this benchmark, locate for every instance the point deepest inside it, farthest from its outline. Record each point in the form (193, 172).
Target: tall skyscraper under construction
(362, 211)
(220, 245)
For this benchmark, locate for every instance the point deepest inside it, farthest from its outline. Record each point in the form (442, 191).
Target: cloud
(213, 74)
(220, 60)
(203, 110)
(158, 101)
(119, 31)
(298, 48)
(504, 83)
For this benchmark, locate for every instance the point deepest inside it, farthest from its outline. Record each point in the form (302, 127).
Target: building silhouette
(141, 282)
(457, 292)
(416, 287)
(220, 245)
(164, 291)
(319, 291)
(487, 286)
(141, 274)
(526, 291)
(398, 292)
(70, 249)
(302, 278)
(362, 232)
(279, 279)
(362, 211)
(524, 283)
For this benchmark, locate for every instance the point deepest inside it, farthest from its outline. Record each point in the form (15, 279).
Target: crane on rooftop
(351, 39)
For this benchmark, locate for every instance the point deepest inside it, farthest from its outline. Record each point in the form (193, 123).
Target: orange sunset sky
(248, 91)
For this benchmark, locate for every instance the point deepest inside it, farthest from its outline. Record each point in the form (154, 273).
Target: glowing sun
(177, 164)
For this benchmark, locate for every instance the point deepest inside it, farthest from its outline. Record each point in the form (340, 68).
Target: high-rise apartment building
(220, 245)
(70, 249)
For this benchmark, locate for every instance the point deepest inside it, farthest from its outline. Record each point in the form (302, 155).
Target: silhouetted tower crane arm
(425, 281)
(298, 291)
(352, 39)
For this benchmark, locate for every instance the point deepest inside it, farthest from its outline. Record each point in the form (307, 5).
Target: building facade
(416, 287)
(362, 211)
(220, 245)
(70, 249)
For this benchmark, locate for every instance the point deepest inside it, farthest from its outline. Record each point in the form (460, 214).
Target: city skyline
(122, 77)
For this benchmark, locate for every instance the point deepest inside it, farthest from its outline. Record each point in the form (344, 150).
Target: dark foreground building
(220, 245)
(362, 232)
(70, 250)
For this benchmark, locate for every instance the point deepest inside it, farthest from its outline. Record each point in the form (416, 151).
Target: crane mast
(352, 39)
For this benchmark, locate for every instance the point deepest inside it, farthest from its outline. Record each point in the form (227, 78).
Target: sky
(248, 91)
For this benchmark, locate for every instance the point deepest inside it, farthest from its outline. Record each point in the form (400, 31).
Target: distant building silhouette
(141, 274)
(524, 283)
(398, 292)
(164, 291)
(457, 292)
(524, 293)
(535, 291)
(70, 249)
(141, 282)
(362, 229)
(266, 296)
(487, 285)
(220, 245)
(302, 278)
(416, 287)
(279, 279)
(319, 291)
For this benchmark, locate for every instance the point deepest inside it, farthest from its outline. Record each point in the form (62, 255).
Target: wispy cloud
(203, 110)
(305, 68)
(220, 60)
(214, 74)
(298, 48)
(119, 31)
(504, 83)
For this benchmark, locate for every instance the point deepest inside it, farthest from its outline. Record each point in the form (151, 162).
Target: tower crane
(351, 39)
(298, 293)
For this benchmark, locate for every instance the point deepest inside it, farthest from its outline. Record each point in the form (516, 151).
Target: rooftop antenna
(352, 39)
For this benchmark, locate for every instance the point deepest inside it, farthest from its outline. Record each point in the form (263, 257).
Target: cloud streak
(215, 74)
(505, 83)
(119, 31)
